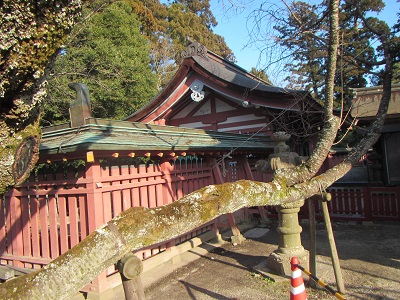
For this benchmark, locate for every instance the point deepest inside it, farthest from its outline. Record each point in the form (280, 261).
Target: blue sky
(232, 26)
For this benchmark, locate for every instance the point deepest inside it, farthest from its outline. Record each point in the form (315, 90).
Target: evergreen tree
(202, 9)
(110, 55)
(304, 33)
(308, 54)
(185, 26)
(154, 25)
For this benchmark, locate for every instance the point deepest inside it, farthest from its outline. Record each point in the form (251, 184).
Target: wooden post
(312, 240)
(249, 175)
(332, 244)
(130, 267)
(237, 237)
(93, 205)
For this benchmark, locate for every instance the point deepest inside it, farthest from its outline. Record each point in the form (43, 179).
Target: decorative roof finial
(194, 49)
(80, 108)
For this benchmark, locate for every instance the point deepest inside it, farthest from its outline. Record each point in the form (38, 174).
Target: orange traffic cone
(297, 288)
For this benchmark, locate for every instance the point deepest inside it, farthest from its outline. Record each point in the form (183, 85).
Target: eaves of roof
(366, 102)
(180, 75)
(235, 75)
(100, 134)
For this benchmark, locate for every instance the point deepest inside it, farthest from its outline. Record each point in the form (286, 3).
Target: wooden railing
(49, 214)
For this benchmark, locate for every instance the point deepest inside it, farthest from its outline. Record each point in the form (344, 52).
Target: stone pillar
(289, 240)
(288, 227)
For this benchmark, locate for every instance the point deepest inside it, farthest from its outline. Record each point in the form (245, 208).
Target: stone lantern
(288, 227)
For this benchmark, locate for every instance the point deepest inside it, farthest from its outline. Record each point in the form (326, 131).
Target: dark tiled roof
(220, 70)
(232, 73)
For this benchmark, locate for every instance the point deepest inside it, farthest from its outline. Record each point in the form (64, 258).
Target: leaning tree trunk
(307, 170)
(31, 34)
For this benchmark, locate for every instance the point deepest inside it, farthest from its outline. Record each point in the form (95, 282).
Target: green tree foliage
(356, 50)
(185, 26)
(202, 9)
(308, 54)
(110, 55)
(154, 20)
(396, 73)
(114, 46)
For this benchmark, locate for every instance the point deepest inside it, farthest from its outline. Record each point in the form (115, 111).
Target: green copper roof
(100, 134)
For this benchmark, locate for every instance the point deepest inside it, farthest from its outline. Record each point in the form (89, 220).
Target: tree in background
(110, 55)
(299, 32)
(153, 17)
(193, 20)
(304, 33)
(260, 73)
(302, 29)
(202, 9)
(170, 28)
(125, 52)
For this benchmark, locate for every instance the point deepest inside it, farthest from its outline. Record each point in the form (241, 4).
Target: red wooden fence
(362, 203)
(57, 208)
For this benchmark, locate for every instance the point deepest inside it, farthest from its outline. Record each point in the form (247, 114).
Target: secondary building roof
(366, 102)
(125, 137)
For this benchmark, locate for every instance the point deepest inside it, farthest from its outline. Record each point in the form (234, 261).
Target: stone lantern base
(290, 240)
(279, 263)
